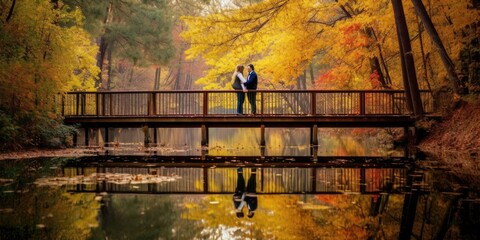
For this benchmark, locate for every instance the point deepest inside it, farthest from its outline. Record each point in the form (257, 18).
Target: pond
(147, 198)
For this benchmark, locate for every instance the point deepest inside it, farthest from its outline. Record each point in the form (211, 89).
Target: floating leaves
(115, 178)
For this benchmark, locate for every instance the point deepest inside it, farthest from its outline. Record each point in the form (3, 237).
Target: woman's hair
(238, 69)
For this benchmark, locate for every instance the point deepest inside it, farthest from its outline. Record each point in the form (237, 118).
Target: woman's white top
(242, 79)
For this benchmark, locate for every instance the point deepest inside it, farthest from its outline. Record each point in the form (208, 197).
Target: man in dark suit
(248, 197)
(251, 84)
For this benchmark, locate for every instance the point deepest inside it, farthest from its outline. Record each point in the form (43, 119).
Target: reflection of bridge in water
(163, 175)
(220, 178)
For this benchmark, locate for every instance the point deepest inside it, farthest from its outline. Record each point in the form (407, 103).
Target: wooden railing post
(63, 104)
(314, 142)
(262, 141)
(104, 104)
(149, 104)
(77, 103)
(205, 103)
(262, 100)
(362, 103)
(84, 104)
(313, 103)
(110, 107)
(97, 104)
(154, 101)
(393, 102)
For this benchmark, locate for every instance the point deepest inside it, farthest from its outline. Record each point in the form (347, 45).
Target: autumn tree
(355, 41)
(137, 31)
(44, 51)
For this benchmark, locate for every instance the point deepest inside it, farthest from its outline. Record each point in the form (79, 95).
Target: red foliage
(353, 37)
(374, 80)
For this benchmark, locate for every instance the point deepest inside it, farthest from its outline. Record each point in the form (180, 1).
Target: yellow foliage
(45, 51)
(282, 37)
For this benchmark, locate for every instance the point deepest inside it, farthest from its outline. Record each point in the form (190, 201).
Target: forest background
(50, 47)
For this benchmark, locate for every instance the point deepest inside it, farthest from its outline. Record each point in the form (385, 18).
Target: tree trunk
(388, 79)
(424, 59)
(312, 77)
(375, 66)
(158, 72)
(109, 69)
(447, 62)
(404, 42)
(103, 47)
(10, 12)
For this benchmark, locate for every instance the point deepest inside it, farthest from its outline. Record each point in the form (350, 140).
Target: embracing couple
(244, 86)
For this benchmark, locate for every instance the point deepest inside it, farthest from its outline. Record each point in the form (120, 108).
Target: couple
(242, 197)
(240, 83)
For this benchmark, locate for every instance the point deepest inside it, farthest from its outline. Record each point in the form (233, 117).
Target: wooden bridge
(205, 109)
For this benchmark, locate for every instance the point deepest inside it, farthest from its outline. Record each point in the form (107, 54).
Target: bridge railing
(268, 102)
(224, 180)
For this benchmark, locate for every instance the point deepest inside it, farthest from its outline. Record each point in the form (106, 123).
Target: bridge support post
(146, 136)
(75, 139)
(314, 142)
(205, 180)
(262, 141)
(204, 141)
(86, 129)
(155, 139)
(411, 140)
(106, 140)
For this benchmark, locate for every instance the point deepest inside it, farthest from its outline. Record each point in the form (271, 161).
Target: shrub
(9, 132)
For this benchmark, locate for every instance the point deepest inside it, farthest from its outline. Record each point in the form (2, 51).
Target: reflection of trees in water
(234, 141)
(143, 217)
(290, 217)
(358, 142)
(246, 141)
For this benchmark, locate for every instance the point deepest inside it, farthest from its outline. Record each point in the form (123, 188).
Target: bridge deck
(241, 121)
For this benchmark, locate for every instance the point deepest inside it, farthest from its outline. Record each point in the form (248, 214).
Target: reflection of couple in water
(248, 197)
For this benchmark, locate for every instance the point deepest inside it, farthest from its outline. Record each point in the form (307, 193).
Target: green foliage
(8, 130)
(33, 130)
(51, 133)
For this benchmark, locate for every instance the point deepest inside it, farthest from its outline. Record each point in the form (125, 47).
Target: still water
(135, 198)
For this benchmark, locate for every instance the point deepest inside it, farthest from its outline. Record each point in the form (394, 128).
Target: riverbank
(34, 153)
(459, 131)
(454, 143)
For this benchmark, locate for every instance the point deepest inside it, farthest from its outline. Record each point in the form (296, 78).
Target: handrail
(224, 102)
